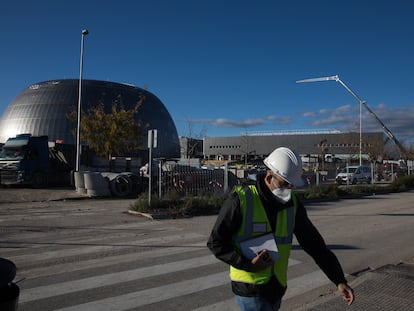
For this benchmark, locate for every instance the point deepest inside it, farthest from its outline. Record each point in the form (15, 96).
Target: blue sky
(222, 67)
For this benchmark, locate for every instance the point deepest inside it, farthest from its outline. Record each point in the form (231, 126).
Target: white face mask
(282, 194)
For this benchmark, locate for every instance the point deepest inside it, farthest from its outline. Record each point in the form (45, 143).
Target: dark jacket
(229, 220)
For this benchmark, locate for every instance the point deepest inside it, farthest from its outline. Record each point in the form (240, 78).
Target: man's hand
(347, 293)
(261, 261)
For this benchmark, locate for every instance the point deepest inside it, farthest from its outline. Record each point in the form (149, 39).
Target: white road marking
(47, 291)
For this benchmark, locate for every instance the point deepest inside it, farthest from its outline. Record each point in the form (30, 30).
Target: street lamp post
(361, 102)
(78, 145)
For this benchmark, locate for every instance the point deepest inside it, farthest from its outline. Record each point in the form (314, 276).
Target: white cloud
(245, 123)
(398, 120)
(309, 114)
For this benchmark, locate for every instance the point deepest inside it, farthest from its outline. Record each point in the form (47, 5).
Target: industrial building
(329, 144)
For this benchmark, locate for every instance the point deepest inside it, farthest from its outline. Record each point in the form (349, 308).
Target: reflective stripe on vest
(253, 213)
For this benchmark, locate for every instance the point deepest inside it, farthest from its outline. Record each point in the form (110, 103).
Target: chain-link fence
(193, 181)
(190, 180)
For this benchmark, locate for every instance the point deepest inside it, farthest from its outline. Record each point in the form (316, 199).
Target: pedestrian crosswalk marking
(63, 288)
(161, 293)
(113, 278)
(84, 248)
(302, 284)
(110, 260)
(153, 295)
(156, 246)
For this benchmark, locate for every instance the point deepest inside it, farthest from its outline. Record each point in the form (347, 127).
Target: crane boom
(387, 132)
(390, 135)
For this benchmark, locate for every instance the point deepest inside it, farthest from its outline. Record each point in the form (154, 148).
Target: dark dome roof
(42, 109)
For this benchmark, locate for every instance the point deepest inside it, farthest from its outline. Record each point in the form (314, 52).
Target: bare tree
(375, 150)
(192, 141)
(247, 146)
(351, 143)
(410, 152)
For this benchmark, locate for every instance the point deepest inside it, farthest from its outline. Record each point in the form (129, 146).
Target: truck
(34, 161)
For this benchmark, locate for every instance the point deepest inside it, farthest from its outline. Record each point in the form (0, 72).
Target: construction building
(330, 145)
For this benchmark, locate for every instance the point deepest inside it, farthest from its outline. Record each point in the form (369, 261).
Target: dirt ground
(19, 194)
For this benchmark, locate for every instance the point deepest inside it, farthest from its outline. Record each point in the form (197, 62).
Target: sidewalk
(388, 288)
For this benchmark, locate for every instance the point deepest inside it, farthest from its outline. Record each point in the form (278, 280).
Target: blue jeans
(256, 304)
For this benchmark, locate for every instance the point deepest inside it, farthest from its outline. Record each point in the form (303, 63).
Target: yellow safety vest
(254, 216)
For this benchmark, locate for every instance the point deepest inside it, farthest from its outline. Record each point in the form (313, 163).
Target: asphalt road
(76, 253)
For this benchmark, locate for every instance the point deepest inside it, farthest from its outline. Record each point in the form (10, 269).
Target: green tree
(114, 133)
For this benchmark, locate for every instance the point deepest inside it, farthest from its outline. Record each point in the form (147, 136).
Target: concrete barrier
(79, 182)
(96, 185)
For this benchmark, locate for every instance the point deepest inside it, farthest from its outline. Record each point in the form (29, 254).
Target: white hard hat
(287, 164)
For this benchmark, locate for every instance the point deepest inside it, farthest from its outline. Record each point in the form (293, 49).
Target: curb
(135, 213)
(148, 215)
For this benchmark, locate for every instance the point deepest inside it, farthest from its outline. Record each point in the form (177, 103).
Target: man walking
(259, 277)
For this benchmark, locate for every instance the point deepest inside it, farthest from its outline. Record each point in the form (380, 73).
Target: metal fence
(193, 181)
(188, 180)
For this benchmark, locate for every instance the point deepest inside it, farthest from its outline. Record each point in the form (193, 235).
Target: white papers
(252, 246)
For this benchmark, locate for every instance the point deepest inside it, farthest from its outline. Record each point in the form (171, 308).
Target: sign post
(152, 143)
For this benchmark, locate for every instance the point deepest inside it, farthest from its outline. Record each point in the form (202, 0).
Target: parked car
(354, 174)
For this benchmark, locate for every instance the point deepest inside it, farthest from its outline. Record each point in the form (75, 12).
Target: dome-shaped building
(43, 108)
